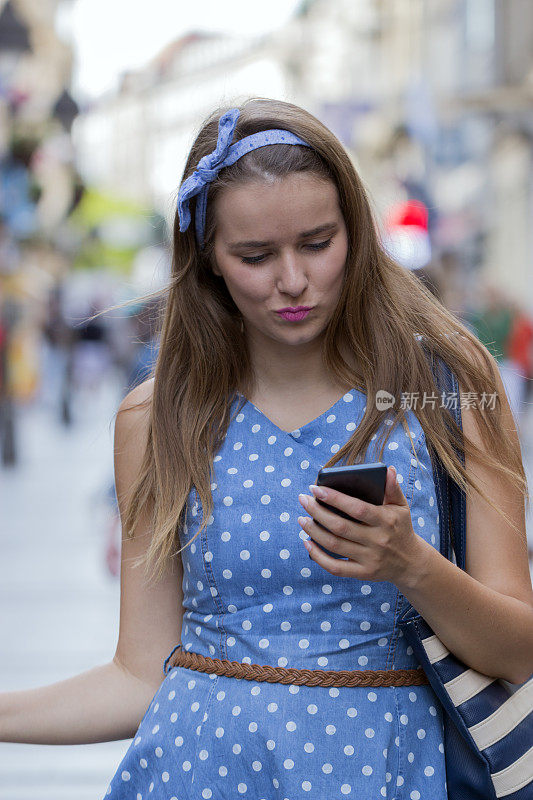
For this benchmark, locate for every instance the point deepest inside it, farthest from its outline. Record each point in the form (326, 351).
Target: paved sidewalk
(60, 608)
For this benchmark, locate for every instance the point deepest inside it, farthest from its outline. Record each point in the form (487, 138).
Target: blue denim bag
(488, 722)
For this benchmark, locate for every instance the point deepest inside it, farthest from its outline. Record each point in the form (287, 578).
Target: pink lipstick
(294, 314)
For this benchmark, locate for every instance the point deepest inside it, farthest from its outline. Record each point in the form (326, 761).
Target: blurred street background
(434, 102)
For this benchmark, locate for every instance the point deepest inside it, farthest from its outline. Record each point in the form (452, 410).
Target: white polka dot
(366, 589)
(125, 775)
(284, 554)
(288, 763)
(346, 788)
(428, 771)
(245, 555)
(421, 733)
(309, 747)
(263, 643)
(330, 729)
(367, 770)
(325, 625)
(327, 768)
(312, 709)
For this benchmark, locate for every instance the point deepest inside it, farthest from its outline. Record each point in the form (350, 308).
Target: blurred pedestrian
(519, 349)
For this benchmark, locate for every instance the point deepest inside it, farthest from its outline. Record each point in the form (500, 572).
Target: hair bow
(208, 168)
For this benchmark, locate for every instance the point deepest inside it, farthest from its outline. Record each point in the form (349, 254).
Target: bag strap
(451, 499)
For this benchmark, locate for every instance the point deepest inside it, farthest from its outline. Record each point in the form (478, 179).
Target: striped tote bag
(488, 722)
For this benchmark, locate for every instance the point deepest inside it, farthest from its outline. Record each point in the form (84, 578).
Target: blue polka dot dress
(252, 594)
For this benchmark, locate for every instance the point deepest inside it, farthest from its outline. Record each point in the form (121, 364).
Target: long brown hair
(203, 359)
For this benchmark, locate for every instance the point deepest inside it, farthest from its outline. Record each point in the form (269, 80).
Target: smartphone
(365, 481)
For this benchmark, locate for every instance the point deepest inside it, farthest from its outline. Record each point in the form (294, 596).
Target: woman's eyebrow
(304, 235)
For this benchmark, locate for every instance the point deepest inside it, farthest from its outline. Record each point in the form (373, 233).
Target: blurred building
(137, 139)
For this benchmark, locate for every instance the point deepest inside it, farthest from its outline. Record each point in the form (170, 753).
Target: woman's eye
(315, 247)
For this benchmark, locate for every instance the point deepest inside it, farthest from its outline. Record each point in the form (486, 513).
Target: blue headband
(222, 156)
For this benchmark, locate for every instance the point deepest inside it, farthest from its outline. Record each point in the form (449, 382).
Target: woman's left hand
(381, 545)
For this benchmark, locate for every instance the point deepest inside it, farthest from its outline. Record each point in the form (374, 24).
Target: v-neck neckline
(299, 428)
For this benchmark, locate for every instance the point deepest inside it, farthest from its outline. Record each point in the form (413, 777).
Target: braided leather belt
(307, 677)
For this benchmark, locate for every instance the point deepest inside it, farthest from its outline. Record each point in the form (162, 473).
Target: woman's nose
(292, 277)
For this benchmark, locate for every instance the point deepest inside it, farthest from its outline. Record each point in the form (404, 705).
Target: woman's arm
(100, 705)
(484, 615)
(108, 702)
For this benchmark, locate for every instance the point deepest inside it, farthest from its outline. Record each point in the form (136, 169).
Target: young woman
(214, 456)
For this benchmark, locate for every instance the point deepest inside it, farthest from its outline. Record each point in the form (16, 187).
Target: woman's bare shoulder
(132, 420)
(138, 397)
